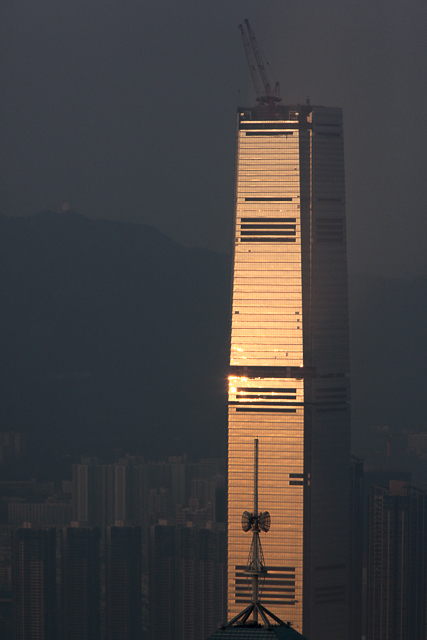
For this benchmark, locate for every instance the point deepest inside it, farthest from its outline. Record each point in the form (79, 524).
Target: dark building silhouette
(11, 446)
(89, 487)
(6, 616)
(397, 563)
(356, 548)
(187, 582)
(162, 582)
(132, 493)
(123, 563)
(80, 583)
(34, 584)
(51, 514)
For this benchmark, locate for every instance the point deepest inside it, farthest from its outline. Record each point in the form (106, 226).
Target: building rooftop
(249, 632)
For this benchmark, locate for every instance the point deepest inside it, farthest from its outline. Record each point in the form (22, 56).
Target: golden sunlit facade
(288, 383)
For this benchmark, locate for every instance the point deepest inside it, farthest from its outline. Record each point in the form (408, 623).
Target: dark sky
(126, 109)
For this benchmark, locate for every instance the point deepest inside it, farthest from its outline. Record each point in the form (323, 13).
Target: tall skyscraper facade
(289, 365)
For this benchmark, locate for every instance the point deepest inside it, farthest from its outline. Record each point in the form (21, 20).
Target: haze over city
(126, 111)
(129, 205)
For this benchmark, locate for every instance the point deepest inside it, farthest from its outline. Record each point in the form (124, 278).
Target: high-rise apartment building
(187, 582)
(397, 570)
(123, 556)
(80, 583)
(289, 377)
(34, 584)
(356, 584)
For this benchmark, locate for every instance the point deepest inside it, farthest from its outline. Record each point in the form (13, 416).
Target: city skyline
(95, 549)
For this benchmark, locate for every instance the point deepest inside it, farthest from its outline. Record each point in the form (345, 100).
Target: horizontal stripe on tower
(271, 583)
(270, 133)
(268, 199)
(264, 589)
(245, 401)
(240, 403)
(269, 226)
(268, 239)
(245, 125)
(263, 389)
(243, 567)
(248, 601)
(265, 371)
(259, 395)
(268, 233)
(268, 219)
(265, 410)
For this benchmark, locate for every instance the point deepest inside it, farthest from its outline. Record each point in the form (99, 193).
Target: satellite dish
(246, 521)
(264, 521)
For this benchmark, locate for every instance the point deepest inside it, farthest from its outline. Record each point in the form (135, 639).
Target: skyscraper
(187, 581)
(34, 584)
(80, 583)
(123, 554)
(289, 377)
(397, 575)
(356, 596)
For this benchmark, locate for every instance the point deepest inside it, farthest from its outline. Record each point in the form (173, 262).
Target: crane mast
(252, 51)
(251, 62)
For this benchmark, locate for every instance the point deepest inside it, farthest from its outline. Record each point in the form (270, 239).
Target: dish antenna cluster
(250, 521)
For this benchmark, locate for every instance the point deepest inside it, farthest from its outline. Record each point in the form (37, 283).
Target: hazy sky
(126, 109)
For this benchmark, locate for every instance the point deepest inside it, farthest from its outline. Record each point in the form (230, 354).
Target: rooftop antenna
(255, 522)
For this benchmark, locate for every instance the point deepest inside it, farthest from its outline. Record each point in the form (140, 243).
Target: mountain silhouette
(115, 339)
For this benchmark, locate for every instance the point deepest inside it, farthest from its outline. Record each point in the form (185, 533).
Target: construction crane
(265, 94)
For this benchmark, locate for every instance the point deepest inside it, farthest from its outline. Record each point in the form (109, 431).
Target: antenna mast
(255, 567)
(257, 522)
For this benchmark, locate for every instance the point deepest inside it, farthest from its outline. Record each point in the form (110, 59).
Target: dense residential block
(123, 566)
(356, 549)
(397, 563)
(187, 582)
(80, 583)
(34, 584)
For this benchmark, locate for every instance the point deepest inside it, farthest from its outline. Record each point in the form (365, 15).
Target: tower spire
(263, 622)
(255, 567)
